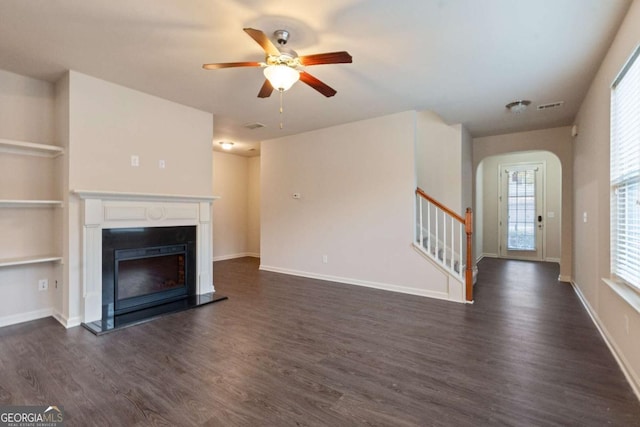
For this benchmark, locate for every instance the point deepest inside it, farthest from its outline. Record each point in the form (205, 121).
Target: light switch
(584, 217)
(135, 161)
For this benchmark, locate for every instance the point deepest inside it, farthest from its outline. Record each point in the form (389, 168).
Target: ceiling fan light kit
(281, 77)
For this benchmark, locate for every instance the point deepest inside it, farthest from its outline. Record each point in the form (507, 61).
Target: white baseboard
(357, 282)
(13, 319)
(557, 260)
(563, 278)
(234, 256)
(631, 376)
(489, 255)
(39, 314)
(67, 322)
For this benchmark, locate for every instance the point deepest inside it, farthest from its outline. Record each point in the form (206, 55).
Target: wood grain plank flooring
(286, 351)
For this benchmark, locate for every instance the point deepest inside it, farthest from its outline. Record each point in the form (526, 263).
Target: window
(625, 174)
(521, 210)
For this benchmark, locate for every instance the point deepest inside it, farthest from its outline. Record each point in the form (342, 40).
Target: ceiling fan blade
(326, 58)
(317, 84)
(230, 65)
(265, 90)
(262, 39)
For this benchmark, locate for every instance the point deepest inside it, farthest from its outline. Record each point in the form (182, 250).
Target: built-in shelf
(30, 203)
(24, 148)
(9, 262)
(30, 148)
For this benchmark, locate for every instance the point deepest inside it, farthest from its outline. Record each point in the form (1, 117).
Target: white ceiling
(463, 59)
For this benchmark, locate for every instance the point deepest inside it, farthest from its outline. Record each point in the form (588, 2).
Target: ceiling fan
(283, 67)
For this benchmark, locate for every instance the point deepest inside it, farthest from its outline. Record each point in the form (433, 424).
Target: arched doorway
(519, 206)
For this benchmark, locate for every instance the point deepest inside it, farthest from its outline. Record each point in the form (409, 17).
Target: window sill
(624, 291)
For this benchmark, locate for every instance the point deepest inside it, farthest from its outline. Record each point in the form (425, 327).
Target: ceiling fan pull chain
(281, 92)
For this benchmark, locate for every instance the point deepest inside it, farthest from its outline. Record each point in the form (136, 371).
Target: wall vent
(550, 105)
(254, 126)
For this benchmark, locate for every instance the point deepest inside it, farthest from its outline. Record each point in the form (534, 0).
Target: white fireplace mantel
(151, 197)
(109, 209)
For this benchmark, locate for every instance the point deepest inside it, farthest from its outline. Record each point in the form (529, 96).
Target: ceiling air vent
(254, 126)
(550, 105)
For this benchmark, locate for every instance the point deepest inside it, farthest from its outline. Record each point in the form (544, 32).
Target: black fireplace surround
(143, 267)
(147, 272)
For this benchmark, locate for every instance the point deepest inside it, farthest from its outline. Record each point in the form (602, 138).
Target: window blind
(625, 174)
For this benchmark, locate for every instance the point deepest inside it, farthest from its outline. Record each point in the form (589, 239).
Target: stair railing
(441, 236)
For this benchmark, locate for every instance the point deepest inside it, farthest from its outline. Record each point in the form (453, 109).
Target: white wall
(466, 169)
(26, 109)
(591, 196)
(27, 114)
(557, 141)
(108, 123)
(62, 111)
(552, 199)
(235, 214)
(478, 210)
(253, 219)
(439, 157)
(357, 184)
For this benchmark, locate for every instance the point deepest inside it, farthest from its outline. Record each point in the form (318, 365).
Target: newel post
(468, 228)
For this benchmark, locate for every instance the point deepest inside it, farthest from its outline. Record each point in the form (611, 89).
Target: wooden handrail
(468, 228)
(439, 205)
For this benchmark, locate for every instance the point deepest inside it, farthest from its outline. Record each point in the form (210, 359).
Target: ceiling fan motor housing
(281, 36)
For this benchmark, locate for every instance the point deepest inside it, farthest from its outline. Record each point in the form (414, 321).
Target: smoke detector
(518, 106)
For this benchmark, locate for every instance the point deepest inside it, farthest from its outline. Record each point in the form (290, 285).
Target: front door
(521, 211)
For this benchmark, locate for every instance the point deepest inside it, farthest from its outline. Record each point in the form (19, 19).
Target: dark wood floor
(291, 351)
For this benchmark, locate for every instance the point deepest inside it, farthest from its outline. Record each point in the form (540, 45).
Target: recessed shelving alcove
(19, 212)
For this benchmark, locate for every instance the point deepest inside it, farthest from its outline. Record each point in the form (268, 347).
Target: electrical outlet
(162, 164)
(43, 284)
(325, 259)
(135, 161)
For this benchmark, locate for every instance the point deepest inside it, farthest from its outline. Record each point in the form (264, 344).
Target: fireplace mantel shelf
(117, 195)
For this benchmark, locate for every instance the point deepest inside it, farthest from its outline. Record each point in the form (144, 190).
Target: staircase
(445, 238)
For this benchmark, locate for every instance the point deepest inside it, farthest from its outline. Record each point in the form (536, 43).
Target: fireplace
(144, 256)
(145, 267)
